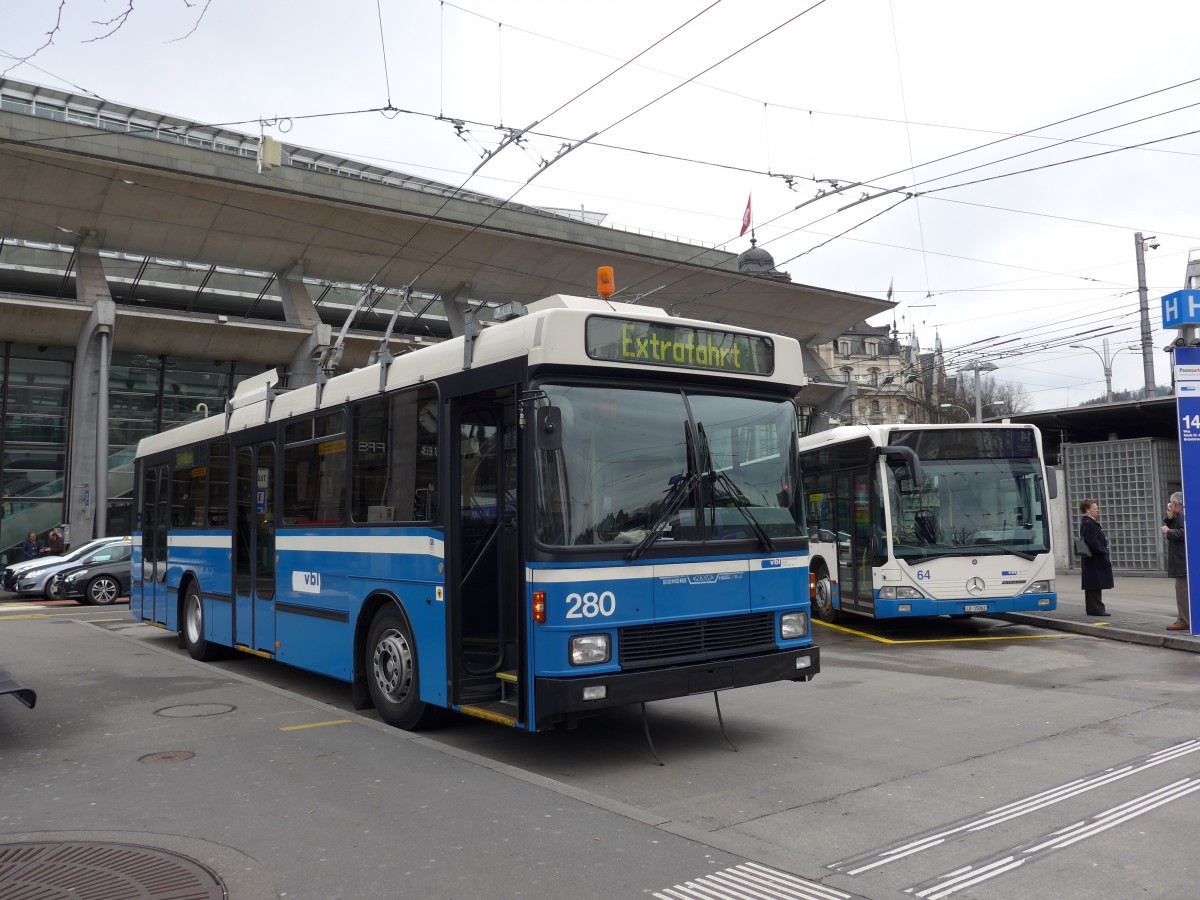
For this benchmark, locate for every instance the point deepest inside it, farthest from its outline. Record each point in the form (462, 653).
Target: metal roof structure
(189, 199)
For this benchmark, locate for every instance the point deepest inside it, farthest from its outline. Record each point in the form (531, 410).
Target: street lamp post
(978, 367)
(955, 406)
(1140, 243)
(1106, 360)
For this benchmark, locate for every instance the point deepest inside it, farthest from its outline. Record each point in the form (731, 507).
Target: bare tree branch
(199, 18)
(119, 20)
(49, 40)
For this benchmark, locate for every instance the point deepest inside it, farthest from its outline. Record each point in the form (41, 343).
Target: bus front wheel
(193, 626)
(822, 599)
(392, 677)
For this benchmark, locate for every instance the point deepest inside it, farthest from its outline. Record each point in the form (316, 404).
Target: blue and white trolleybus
(928, 520)
(588, 505)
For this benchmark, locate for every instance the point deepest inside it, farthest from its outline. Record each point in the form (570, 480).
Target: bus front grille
(676, 643)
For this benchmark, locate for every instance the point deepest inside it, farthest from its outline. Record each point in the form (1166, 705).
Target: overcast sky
(771, 99)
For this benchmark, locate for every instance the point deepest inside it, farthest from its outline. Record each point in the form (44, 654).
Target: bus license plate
(975, 607)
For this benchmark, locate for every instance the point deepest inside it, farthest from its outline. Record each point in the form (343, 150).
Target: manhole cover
(190, 710)
(84, 871)
(166, 756)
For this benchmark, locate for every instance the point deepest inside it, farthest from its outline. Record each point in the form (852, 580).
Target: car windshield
(642, 466)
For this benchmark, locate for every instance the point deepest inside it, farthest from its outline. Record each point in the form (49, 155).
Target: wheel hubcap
(392, 665)
(104, 591)
(824, 595)
(194, 619)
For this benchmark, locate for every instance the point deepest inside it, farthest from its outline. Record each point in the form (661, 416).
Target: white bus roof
(879, 433)
(552, 331)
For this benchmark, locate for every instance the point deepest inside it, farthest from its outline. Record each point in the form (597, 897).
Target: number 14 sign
(1187, 406)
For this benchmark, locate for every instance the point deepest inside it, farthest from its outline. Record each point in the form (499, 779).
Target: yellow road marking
(49, 615)
(316, 725)
(955, 640)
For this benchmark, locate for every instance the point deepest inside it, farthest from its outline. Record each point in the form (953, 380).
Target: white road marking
(750, 881)
(881, 857)
(969, 876)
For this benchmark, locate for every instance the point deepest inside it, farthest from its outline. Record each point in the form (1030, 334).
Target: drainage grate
(166, 756)
(190, 710)
(86, 871)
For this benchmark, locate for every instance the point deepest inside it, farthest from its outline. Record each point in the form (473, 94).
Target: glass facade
(35, 406)
(147, 394)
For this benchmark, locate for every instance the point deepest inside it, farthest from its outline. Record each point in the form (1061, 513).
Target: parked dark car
(34, 576)
(104, 579)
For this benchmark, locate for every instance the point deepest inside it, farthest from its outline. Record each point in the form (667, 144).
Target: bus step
(509, 686)
(493, 712)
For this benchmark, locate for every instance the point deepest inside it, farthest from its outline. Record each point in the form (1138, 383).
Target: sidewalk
(1141, 607)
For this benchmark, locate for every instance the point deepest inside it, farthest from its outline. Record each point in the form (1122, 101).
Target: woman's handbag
(1082, 550)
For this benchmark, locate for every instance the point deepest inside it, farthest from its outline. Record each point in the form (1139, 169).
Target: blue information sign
(1187, 409)
(1181, 308)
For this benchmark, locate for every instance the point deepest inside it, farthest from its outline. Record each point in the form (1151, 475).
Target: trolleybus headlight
(900, 593)
(1040, 587)
(590, 649)
(793, 625)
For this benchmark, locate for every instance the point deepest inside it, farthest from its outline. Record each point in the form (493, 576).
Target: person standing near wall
(30, 548)
(1097, 568)
(1172, 530)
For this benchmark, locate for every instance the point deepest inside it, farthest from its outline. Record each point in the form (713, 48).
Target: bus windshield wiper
(739, 499)
(676, 494)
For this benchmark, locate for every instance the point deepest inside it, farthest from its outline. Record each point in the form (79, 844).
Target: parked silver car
(33, 576)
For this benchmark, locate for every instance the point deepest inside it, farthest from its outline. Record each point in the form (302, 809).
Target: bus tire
(822, 599)
(192, 626)
(390, 664)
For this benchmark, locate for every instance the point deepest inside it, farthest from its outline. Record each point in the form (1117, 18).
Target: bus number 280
(591, 605)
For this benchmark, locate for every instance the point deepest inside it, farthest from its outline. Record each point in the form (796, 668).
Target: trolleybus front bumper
(559, 699)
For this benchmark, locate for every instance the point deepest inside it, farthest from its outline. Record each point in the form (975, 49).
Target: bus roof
(879, 434)
(551, 331)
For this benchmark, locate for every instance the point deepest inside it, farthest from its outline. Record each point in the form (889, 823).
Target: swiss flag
(746, 218)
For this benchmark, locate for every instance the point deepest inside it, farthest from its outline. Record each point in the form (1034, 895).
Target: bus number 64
(590, 605)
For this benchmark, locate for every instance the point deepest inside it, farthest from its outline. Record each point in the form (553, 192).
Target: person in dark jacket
(1172, 529)
(54, 543)
(30, 548)
(1097, 568)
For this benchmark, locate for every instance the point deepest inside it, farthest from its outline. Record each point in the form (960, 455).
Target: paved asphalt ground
(134, 748)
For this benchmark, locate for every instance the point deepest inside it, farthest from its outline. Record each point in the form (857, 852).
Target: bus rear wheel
(193, 626)
(822, 599)
(391, 667)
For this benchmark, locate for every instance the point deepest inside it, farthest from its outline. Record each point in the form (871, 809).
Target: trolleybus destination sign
(671, 344)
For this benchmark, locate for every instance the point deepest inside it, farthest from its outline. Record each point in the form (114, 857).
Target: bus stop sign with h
(1181, 310)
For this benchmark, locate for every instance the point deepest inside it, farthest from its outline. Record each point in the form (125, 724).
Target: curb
(1108, 632)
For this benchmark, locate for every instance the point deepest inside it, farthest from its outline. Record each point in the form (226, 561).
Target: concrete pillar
(455, 306)
(87, 475)
(299, 309)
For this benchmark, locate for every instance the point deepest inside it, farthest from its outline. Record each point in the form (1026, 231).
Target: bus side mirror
(547, 424)
(1051, 483)
(907, 455)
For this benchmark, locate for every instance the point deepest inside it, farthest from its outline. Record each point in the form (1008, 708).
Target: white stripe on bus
(627, 573)
(408, 545)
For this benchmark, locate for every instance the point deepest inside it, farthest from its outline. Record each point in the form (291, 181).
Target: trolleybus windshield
(648, 466)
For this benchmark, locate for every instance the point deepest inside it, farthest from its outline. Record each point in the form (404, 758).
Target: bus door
(156, 512)
(483, 578)
(254, 547)
(855, 550)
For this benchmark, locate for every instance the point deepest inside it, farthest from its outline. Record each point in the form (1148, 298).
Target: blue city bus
(586, 505)
(928, 520)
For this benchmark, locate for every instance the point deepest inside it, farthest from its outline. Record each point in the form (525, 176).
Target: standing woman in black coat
(1097, 568)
